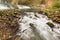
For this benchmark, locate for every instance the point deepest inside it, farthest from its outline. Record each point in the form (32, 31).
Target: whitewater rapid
(33, 27)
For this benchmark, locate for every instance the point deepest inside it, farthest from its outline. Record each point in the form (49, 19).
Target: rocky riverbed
(20, 25)
(8, 24)
(34, 26)
(55, 16)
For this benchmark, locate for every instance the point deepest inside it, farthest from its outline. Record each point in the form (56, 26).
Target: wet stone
(50, 24)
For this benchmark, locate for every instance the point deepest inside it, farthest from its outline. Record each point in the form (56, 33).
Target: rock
(14, 38)
(9, 23)
(54, 15)
(36, 15)
(50, 24)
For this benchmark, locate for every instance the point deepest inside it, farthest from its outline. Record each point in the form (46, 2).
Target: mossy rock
(55, 16)
(50, 24)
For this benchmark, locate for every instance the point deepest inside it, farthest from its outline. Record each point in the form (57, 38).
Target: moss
(0, 33)
(56, 5)
(51, 24)
(55, 8)
(36, 15)
(54, 15)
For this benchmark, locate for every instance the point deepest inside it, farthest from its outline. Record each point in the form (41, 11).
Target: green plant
(57, 4)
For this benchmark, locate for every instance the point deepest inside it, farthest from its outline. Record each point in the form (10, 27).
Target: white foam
(41, 27)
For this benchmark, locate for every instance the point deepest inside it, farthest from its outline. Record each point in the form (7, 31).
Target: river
(33, 26)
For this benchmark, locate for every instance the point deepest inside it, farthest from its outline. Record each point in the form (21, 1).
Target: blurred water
(35, 28)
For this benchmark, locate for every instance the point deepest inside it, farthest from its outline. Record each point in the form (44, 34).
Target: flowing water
(33, 26)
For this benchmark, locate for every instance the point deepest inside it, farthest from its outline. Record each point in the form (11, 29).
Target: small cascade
(33, 27)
